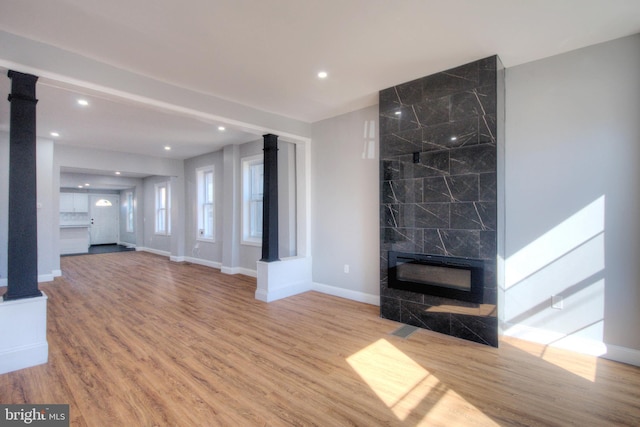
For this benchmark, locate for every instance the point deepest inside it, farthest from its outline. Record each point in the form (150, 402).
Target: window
(206, 214)
(163, 209)
(252, 195)
(129, 207)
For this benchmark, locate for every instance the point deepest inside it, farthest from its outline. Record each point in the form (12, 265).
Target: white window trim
(200, 172)
(167, 210)
(130, 212)
(246, 238)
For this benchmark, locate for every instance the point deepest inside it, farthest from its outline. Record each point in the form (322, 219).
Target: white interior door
(105, 221)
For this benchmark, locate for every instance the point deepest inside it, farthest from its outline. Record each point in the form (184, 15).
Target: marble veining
(438, 157)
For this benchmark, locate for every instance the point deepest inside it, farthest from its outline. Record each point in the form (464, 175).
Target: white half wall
(284, 278)
(24, 344)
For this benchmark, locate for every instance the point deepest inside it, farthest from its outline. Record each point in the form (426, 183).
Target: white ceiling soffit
(118, 124)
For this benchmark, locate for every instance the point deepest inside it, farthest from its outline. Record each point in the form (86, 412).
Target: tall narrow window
(252, 199)
(206, 212)
(129, 197)
(163, 209)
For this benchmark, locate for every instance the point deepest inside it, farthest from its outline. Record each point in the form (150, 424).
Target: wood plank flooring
(135, 340)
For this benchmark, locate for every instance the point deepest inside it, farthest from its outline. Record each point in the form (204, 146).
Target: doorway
(104, 219)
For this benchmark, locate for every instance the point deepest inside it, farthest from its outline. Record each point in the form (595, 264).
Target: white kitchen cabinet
(74, 202)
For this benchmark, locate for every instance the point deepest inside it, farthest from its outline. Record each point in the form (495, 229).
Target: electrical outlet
(557, 302)
(346, 268)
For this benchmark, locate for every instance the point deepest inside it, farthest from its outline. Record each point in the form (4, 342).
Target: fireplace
(441, 141)
(442, 276)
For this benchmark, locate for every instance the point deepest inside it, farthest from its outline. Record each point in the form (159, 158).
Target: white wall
(127, 237)
(4, 205)
(248, 254)
(47, 194)
(345, 205)
(48, 212)
(153, 241)
(205, 250)
(572, 200)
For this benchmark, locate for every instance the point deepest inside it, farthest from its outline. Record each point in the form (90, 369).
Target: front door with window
(103, 210)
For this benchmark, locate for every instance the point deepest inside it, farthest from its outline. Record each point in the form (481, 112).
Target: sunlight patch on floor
(406, 388)
(582, 365)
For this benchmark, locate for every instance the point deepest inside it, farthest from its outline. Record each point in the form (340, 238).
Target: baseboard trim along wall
(622, 354)
(49, 277)
(154, 251)
(573, 343)
(205, 262)
(41, 277)
(347, 293)
(239, 270)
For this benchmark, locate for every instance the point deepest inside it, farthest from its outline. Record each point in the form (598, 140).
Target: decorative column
(270, 201)
(22, 268)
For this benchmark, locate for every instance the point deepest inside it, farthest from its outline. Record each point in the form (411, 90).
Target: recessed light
(117, 173)
(221, 128)
(166, 147)
(79, 186)
(56, 134)
(322, 75)
(83, 102)
(87, 184)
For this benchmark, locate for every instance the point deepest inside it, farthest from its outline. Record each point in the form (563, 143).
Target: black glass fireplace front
(449, 277)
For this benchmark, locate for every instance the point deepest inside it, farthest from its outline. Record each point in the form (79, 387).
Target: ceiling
(266, 54)
(118, 124)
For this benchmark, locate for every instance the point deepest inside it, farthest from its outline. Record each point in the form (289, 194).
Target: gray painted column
(270, 201)
(22, 267)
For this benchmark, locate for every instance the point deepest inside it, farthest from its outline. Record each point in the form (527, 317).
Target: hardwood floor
(135, 340)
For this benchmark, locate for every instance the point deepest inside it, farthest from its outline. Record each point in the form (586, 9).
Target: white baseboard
(154, 251)
(238, 270)
(347, 293)
(573, 343)
(45, 278)
(41, 277)
(176, 258)
(205, 262)
(24, 357)
(622, 354)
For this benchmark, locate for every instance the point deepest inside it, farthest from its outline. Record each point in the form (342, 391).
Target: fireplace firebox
(443, 276)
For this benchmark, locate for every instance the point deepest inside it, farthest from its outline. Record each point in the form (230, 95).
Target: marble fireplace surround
(438, 160)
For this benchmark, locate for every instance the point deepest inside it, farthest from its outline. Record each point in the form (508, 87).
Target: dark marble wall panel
(438, 189)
